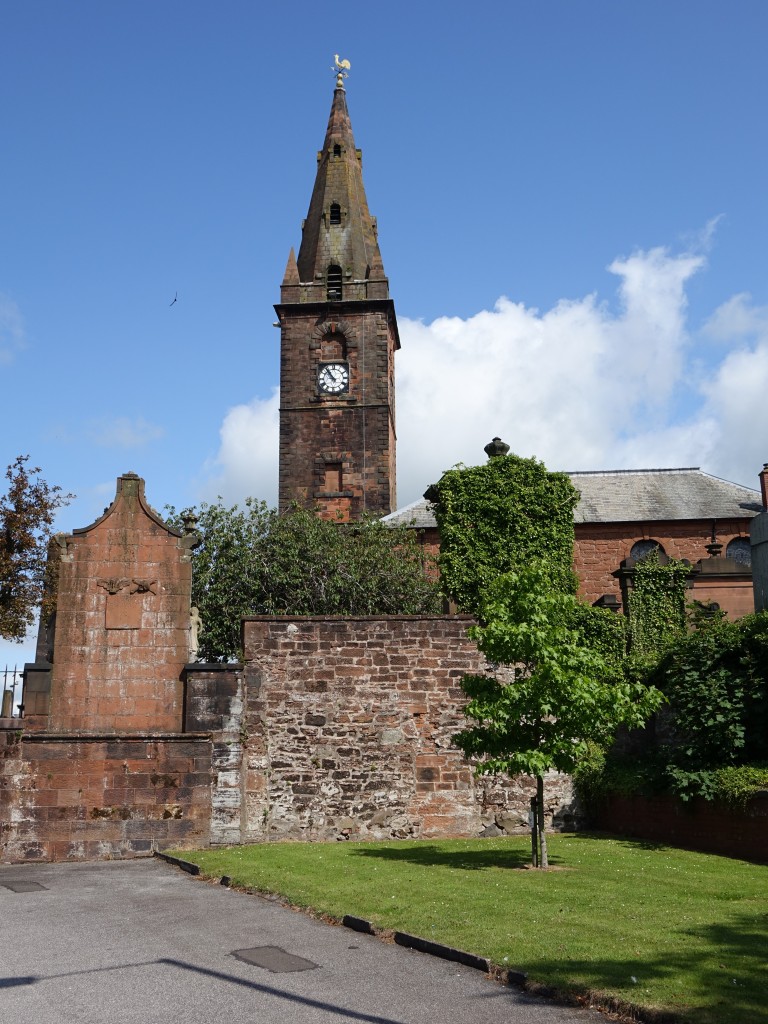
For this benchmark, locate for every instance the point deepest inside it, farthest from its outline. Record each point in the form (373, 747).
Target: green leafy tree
(496, 518)
(716, 680)
(714, 740)
(27, 512)
(254, 561)
(562, 692)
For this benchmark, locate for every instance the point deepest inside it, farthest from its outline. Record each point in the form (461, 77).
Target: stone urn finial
(496, 447)
(189, 519)
(714, 547)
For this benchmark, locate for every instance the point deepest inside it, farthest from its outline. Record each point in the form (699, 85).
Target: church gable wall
(122, 622)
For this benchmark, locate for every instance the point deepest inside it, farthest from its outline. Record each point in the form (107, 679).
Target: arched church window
(335, 213)
(334, 283)
(740, 550)
(642, 548)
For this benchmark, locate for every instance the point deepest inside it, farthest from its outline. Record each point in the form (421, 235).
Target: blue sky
(571, 199)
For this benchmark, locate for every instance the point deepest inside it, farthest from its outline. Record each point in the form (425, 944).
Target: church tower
(337, 346)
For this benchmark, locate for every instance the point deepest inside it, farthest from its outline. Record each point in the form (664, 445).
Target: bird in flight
(174, 298)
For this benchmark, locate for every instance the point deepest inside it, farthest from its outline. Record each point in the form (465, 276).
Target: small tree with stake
(563, 690)
(506, 553)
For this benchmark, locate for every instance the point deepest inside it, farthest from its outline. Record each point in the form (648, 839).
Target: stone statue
(195, 629)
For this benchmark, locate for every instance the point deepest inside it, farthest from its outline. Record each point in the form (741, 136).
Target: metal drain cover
(24, 886)
(274, 959)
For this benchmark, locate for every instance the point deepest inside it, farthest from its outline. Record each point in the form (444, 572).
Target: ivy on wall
(499, 517)
(657, 605)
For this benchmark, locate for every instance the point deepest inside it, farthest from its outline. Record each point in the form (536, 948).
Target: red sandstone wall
(355, 430)
(122, 622)
(98, 797)
(600, 548)
(704, 825)
(348, 729)
(736, 596)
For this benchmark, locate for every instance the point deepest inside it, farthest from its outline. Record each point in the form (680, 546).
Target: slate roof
(418, 514)
(634, 495)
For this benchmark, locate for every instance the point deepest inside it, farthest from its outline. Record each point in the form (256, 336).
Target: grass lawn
(653, 925)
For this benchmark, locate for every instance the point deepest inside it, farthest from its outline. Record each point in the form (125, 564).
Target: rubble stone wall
(214, 704)
(347, 733)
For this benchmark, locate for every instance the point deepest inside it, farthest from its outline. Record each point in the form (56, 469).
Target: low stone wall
(67, 797)
(347, 733)
(335, 728)
(705, 825)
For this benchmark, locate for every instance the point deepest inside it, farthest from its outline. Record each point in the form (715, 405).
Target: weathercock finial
(340, 69)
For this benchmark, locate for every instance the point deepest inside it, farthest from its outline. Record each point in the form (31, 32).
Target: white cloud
(735, 400)
(648, 336)
(124, 432)
(580, 386)
(246, 464)
(12, 337)
(737, 318)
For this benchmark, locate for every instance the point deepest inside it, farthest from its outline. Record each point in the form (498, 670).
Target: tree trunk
(543, 859)
(534, 834)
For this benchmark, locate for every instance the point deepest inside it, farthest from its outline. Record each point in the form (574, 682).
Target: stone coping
(213, 666)
(461, 617)
(112, 737)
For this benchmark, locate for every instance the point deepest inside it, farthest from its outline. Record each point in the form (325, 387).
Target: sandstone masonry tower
(338, 341)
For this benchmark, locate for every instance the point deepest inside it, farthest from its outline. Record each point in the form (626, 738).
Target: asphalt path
(140, 942)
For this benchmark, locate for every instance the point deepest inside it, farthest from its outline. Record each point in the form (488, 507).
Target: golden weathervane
(340, 69)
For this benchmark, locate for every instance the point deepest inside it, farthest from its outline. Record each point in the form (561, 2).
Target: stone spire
(338, 338)
(339, 232)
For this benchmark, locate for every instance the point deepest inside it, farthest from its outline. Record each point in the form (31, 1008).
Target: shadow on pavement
(209, 973)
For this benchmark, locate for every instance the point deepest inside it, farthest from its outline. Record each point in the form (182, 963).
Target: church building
(337, 414)
(331, 727)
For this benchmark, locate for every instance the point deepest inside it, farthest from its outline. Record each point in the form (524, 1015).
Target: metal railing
(11, 677)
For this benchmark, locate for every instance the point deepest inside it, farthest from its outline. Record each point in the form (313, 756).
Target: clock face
(333, 378)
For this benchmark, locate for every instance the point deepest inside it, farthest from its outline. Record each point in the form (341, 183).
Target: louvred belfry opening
(334, 283)
(335, 298)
